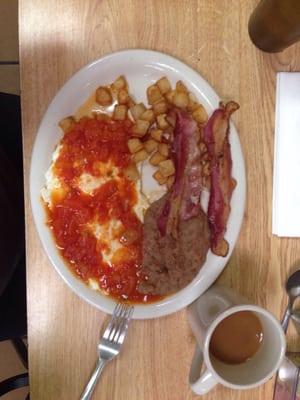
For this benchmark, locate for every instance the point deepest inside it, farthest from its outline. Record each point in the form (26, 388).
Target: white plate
(141, 68)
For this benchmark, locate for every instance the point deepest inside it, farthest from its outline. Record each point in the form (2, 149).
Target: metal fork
(110, 344)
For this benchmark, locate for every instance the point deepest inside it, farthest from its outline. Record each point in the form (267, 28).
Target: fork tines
(117, 327)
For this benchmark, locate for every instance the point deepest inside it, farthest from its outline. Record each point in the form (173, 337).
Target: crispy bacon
(216, 134)
(183, 200)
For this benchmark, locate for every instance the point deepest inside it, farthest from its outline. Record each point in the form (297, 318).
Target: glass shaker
(275, 24)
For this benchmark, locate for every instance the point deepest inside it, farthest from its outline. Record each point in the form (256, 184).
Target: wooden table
(56, 39)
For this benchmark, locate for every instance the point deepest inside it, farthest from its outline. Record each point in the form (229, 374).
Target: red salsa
(89, 145)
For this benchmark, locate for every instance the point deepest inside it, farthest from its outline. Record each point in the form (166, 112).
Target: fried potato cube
(166, 168)
(161, 121)
(129, 236)
(180, 87)
(150, 145)
(192, 97)
(134, 145)
(153, 94)
(103, 96)
(120, 83)
(160, 107)
(101, 116)
(170, 181)
(168, 135)
(163, 148)
(164, 85)
(66, 124)
(148, 115)
(120, 112)
(171, 120)
(200, 114)
(156, 158)
(193, 104)
(157, 134)
(181, 99)
(140, 156)
(123, 96)
(137, 110)
(140, 128)
(131, 172)
(159, 178)
(130, 102)
(170, 96)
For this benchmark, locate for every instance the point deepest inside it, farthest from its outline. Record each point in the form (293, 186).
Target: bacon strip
(216, 134)
(183, 201)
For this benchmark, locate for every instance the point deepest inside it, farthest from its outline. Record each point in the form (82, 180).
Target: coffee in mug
(240, 344)
(237, 338)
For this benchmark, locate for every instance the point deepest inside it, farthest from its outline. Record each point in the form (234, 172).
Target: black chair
(12, 237)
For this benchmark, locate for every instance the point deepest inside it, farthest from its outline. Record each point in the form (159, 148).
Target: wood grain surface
(56, 39)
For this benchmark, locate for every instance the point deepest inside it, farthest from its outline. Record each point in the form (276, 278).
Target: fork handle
(88, 391)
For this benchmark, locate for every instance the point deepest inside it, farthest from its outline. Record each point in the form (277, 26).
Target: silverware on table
(287, 378)
(295, 317)
(293, 290)
(110, 344)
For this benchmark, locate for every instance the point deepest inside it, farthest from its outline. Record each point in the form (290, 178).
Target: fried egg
(146, 188)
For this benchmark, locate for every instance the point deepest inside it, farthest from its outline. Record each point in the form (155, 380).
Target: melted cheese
(93, 284)
(142, 203)
(91, 107)
(109, 233)
(88, 183)
(53, 183)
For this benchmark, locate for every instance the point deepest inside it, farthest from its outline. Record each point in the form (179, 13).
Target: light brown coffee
(237, 338)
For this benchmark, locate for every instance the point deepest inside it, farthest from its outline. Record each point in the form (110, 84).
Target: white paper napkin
(286, 177)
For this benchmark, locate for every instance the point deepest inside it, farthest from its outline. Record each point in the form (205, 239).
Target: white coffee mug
(204, 316)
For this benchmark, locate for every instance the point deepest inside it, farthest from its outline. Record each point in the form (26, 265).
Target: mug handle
(200, 383)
